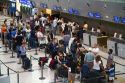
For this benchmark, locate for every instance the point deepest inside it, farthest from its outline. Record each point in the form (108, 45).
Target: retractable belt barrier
(8, 71)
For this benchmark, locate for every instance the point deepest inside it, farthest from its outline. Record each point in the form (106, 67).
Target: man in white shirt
(95, 49)
(55, 25)
(17, 15)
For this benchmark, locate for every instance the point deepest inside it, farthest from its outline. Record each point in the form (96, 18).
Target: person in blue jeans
(22, 52)
(73, 49)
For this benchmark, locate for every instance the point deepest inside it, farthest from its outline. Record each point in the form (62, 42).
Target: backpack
(53, 64)
(44, 59)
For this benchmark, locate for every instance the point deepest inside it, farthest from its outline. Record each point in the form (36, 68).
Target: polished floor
(33, 77)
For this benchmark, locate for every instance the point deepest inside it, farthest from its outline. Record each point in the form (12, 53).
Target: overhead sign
(43, 5)
(58, 8)
(73, 11)
(26, 2)
(95, 15)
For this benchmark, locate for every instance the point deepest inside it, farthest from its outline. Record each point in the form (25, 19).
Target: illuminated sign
(116, 19)
(73, 11)
(123, 20)
(95, 15)
(58, 8)
(43, 5)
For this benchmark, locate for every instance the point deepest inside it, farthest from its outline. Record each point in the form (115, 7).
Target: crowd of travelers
(68, 55)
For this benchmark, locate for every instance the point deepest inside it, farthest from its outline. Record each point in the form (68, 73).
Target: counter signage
(95, 15)
(123, 20)
(43, 5)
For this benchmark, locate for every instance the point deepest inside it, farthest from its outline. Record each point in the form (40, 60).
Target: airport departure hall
(62, 41)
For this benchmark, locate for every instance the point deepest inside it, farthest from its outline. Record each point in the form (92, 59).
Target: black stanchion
(18, 77)
(54, 77)
(42, 78)
(36, 53)
(0, 70)
(12, 51)
(31, 69)
(5, 48)
(5, 43)
(8, 72)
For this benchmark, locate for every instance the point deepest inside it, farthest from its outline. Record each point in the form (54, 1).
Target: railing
(8, 70)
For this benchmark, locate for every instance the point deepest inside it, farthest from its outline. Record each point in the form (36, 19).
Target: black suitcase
(26, 63)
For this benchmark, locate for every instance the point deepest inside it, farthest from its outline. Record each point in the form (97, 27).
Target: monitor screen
(116, 19)
(90, 14)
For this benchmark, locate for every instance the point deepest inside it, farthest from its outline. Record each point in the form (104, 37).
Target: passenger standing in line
(110, 59)
(85, 26)
(97, 64)
(4, 31)
(28, 29)
(95, 49)
(17, 15)
(89, 58)
(22, 52)
(66, 39)
(39, 36)
(18, 41)
(73, 49)
(54, 25)
(72, 67)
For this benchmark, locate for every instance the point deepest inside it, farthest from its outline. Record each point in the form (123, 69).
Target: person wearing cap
(89, 58)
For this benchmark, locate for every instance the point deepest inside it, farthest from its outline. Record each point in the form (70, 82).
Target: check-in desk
(90, 38)
(121, 48)
(86, 39)
(112, 44)
(118, 46)
(98, 39)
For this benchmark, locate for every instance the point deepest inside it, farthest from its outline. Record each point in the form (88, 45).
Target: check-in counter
(90, 38)
(112, 44)
(118, 46)
(86, 39)
(121, 48)
(98, 39)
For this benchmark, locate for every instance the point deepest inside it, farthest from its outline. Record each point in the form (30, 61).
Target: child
(111, 73)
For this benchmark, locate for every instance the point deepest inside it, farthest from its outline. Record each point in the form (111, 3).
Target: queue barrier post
(31, 69)
(12, 51)
(0, 70)
(42, 78)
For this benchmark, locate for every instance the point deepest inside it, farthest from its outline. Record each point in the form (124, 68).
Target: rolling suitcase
(26, 63)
